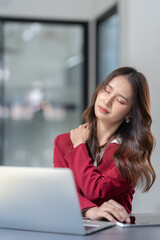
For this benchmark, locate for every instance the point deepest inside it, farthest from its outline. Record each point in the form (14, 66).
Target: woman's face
(113, 104)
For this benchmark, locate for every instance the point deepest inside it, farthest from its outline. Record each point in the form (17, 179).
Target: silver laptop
(142, 219)
(42, 199)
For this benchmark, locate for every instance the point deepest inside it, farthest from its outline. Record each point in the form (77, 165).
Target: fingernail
(128, 220)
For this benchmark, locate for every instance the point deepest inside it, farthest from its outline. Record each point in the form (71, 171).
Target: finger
(106, 215)
(83, 128)
(85, 125)
(72, 130)
(117, 210)
(118, 207)
(114, 213)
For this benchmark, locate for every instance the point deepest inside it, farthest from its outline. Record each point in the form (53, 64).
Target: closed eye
(107, 89)
(121, 101)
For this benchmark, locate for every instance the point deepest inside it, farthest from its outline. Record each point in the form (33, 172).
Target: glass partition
(42, 75)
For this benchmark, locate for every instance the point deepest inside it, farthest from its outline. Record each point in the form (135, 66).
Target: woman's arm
(91, 210)
(59, 162)
(91, 181)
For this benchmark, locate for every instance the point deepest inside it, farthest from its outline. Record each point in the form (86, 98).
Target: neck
(105, 132)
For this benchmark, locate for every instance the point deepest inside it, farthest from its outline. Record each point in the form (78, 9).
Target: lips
(103, 110)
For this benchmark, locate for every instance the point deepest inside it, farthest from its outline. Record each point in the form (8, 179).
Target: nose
(109, 101)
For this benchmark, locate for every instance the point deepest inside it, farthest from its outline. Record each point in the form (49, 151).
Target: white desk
(114, 233)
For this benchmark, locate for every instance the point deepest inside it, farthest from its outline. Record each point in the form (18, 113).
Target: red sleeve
(58, 155)
(60, 162)
(84, 202)
(95, 185)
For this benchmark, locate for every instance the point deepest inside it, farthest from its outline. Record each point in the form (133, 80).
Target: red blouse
(95, 185)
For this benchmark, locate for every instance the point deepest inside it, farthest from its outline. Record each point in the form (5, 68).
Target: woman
(110, 153)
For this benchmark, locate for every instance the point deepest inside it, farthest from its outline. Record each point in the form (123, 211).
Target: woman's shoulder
(114, 144)
(110, 150)
(65, 137)
(63, 142)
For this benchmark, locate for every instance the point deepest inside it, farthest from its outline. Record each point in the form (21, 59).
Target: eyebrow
(119, 94)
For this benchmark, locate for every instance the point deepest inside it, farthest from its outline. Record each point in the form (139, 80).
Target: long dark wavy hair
(137, 139)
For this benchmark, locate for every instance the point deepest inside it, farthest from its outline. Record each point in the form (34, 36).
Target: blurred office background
(52, 56)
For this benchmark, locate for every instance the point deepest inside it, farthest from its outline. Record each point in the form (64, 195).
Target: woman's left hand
(80, 135)
(110, 210)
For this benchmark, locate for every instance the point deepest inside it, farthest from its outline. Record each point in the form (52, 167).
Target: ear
(129, 115)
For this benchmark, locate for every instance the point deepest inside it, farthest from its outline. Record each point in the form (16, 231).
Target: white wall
(139, 47)
(143, 52)
(57, 9)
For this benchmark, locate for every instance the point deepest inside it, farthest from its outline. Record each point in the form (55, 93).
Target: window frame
(109, 13)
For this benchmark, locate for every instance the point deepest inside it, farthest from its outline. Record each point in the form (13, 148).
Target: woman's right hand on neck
(80, 135)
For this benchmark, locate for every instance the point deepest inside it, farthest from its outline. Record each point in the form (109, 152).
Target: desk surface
(114, 233)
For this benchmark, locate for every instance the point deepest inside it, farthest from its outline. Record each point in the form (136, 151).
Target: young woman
(110, 153)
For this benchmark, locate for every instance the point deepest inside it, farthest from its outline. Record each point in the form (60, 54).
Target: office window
(43, 80)
(107, 43)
